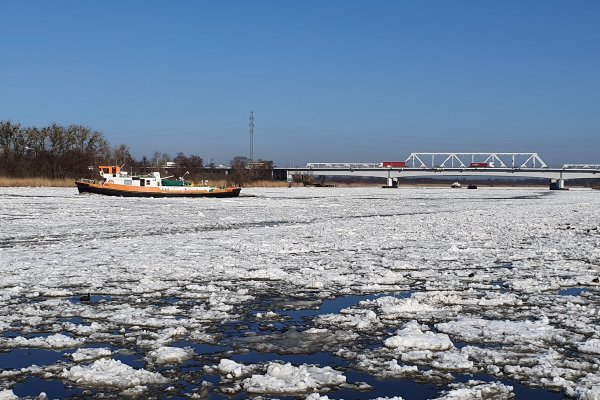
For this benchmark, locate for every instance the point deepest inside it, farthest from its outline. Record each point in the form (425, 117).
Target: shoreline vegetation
(68, 182)
(36, 182)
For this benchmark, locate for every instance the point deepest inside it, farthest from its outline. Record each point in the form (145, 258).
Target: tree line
(58, 151)
(54, 151)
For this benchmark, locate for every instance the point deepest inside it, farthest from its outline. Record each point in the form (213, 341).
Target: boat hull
(140, 191)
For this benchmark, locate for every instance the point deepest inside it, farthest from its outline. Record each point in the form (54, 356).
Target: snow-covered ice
(412, 337)
(443, 283)
(89, 354)
(478, 390)
(111, 373)
(170, 355)
(8, 394)
(55, 341)
(286, 378)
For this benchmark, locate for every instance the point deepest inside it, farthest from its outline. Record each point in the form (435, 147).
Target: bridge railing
(581, 166)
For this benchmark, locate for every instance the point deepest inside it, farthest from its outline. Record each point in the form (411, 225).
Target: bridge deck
(383, 172)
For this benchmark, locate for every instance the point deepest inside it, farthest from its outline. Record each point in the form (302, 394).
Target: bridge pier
(391, 183)
(557, 184)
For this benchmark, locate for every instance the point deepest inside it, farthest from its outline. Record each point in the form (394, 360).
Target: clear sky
(328, 80)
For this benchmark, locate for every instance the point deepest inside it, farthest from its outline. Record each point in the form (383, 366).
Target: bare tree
(196, 163)
(122, 156)
(54, 151)
(239, 171)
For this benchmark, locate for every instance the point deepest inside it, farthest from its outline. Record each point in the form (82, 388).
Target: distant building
(260, 164)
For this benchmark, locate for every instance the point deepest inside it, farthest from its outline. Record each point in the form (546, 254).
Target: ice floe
(473, 390)
(591, 346)
(483, 330)
(88, 354)
(232, 369)
(286, 378)
(56, 341)
(111, 373)
(8, 394)
(412, 337)
(170, 355)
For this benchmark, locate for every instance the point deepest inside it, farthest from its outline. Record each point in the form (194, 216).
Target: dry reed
(36, 182)
(282, 184)
(252, 184)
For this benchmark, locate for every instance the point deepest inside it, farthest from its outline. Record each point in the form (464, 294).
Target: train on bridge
(403, 164)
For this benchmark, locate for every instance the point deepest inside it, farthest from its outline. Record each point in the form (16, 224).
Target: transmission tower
(251, 129)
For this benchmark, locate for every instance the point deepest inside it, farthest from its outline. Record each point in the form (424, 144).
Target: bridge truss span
(464, 160)
(454, 165)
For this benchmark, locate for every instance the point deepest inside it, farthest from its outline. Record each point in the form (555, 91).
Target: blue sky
(335, 80)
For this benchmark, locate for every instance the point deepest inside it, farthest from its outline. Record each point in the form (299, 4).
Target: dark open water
(207, 354)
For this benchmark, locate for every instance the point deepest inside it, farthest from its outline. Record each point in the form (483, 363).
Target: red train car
(393, 164)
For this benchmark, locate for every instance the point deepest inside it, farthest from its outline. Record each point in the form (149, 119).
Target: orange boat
(115, 182)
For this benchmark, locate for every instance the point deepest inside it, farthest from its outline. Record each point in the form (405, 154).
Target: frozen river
(317, 293)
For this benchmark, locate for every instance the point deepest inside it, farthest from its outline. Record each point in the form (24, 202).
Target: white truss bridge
(463, 160)
(454, 160)
(455, 164)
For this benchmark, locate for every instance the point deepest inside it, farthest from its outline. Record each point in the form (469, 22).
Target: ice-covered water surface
(295, 293)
